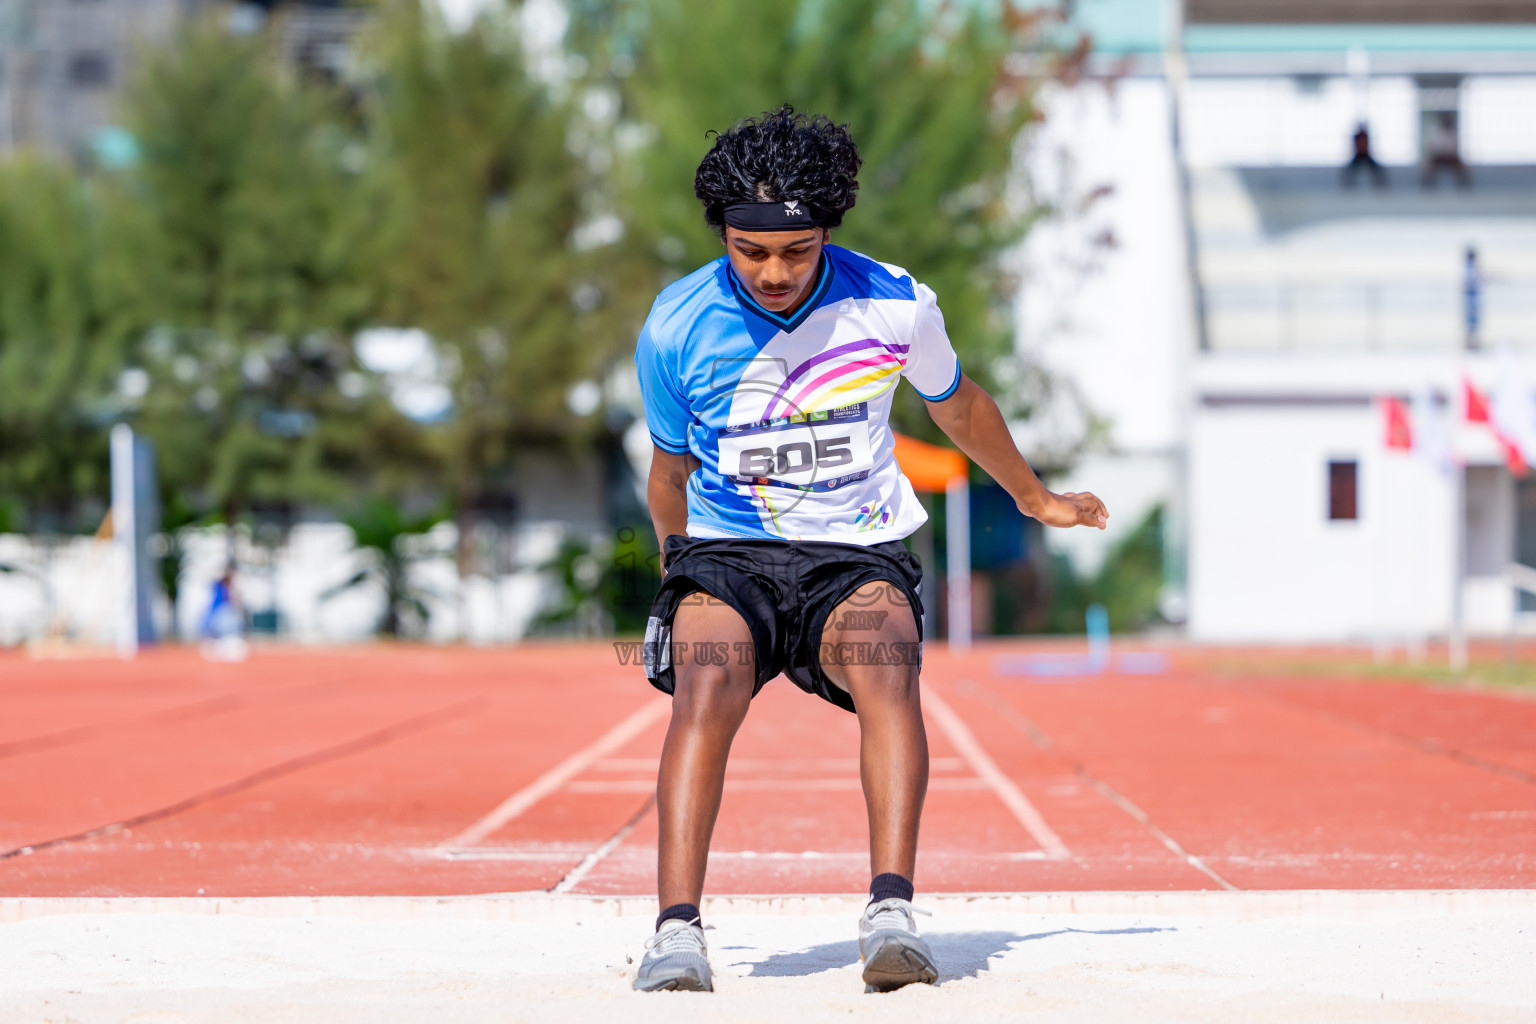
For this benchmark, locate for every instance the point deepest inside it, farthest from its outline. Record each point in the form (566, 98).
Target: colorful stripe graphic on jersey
(789, 417)
(877, 361)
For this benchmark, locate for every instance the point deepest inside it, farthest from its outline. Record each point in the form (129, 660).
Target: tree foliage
(925, 88)
(479, 195)
(520, 206)
(1128, 583)
(58, 354)
(384, 535)
(244, 231)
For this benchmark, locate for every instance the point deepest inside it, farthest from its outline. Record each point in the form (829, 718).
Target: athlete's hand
(1071, 509)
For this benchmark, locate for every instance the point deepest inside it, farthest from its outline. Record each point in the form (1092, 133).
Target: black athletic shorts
(784, 590)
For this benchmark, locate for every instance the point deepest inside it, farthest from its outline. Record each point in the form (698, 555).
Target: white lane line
(560, 774)
(863, 855)
(591, 860)
(1007, 791)
(790, 785)
(650, 765)
(494, 853)
(855, 855)
(1115, 797)
(502, 853)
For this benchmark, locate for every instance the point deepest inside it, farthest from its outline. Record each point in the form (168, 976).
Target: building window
(1344, 489)
(89, 70)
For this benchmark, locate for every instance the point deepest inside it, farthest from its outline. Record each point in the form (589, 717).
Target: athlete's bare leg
(893, 749)
(709, 703)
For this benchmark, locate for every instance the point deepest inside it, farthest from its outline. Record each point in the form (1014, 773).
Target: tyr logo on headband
(786, 216)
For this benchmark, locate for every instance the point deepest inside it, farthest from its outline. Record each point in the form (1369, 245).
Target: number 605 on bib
(800, 451)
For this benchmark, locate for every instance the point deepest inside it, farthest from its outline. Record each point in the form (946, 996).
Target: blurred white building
(63, 63)
(1237, 312)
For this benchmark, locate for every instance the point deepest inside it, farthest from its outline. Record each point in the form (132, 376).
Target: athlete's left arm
(974, 422)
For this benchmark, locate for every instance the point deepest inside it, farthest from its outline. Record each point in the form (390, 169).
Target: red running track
(419, 771)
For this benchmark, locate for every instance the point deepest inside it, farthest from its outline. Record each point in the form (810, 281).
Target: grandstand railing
(1395, 314)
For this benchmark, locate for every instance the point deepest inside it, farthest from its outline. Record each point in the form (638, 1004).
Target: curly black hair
(778, 156)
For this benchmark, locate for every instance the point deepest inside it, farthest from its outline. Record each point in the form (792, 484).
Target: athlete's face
(778, 267)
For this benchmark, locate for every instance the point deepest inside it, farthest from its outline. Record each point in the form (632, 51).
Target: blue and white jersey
(791, 416)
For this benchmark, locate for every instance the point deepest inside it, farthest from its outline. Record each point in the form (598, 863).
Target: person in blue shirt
(767, 377)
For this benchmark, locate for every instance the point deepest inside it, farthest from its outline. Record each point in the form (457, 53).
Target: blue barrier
(1098, 661)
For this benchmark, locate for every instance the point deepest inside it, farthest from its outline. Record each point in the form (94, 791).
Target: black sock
(890, 886)
(684, 912)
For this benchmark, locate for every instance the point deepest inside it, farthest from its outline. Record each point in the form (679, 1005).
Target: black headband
(786, 216)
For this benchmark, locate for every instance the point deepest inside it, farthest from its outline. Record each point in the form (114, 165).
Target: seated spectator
(1364, 159)
(1442, 152)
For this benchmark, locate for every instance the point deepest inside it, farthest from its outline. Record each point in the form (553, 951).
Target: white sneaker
(889, 945)
(676, 959)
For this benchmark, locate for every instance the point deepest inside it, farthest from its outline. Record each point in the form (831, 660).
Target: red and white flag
(1480, 410)
(1399, 424)
(1513, 409)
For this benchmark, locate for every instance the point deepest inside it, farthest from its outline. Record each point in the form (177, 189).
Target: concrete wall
(1105, 303)
(1274, 122)
(1265, 561)
(65, 588)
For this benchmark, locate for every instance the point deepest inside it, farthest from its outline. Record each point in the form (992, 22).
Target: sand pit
(1218, 957)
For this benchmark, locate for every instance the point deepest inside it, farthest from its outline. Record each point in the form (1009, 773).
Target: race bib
(814, 451)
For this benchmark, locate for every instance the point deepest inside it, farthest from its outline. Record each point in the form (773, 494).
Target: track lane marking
(1007, 790)
(378, 737)
(591, 860)
(1038, 737)
(176, 714)
(551, 781)
(736, 765)
(1423, 744)
(496, 853)
(797, 785)
(1123, 802)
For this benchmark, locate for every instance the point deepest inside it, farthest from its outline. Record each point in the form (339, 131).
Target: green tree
(926, 88)
(384, 536)
(578, 575)
(242, 236)
(479, 197)
(59, 363)
(1127, 584)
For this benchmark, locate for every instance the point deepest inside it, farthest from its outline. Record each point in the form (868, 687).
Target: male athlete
(767, 378)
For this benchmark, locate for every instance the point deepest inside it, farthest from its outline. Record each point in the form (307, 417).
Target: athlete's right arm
(667, 493)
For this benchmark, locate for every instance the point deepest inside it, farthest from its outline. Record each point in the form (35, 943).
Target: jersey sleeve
(932, 366)
(667, 413)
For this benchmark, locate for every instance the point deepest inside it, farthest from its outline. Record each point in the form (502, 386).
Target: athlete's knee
(884, 684)
(707, 692)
